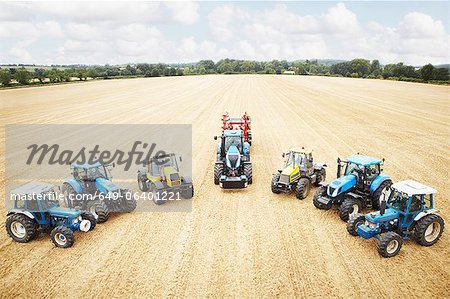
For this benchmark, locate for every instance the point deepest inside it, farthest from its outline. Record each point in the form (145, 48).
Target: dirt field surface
(247, 243)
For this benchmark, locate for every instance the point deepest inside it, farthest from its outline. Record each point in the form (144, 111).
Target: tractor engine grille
(284, 179)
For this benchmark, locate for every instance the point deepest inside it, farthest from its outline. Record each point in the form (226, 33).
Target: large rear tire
(248, 173)
(218, 171)
(377, 195)
(319, 193)
(62, 237)
(429, 229)
(349, 207)
(389, 244)
(353, 223)
(302, 188)
(99, 209)
(275, 179)
(322, 176)
(21, 228)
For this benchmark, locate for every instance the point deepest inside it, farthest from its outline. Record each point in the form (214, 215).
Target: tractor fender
(158, 185)
(323, 184)
(105, 186)
(246, 148)
(377, 182)
(319, 166)
(19, 211)
(187, 179)
(425, 213)
(75, 185)
(219, 146)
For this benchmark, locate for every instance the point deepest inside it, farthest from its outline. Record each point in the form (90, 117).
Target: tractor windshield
(295, 159)
(398, 200)
(235, 140)
(96, 172)
(353, 168)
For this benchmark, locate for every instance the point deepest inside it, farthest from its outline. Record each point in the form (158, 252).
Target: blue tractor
(233, 168)
(36, 209)
(91, 189)
(409, 210)
(360, 187)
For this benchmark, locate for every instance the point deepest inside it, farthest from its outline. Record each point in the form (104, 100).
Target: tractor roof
(32, 188)
(86, 166)
(364, 160)
(301, 150)
(411, 187)
(232, 133)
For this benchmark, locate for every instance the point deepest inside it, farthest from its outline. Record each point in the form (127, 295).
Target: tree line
(356, 68)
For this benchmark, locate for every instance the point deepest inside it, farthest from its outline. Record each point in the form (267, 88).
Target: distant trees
(356, 68)
(22, 76)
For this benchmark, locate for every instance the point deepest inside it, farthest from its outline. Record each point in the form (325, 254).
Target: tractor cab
(164, 168)
(299, 158)
(90, 172)
(364, 168)
(39, 201)
(404, 201)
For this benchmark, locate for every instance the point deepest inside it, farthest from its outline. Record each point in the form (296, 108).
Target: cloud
(184, 12)
(124, 32)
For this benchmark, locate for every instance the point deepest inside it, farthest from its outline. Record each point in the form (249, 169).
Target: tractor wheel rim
(18, 229)
(432, 231)
(392, 246)
(93, 212)
(354, 209)
(60, 239)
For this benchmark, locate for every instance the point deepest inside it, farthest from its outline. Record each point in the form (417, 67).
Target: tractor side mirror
(215, 137)
(283, 155)
(339, 170)
(339, 160)
(383, 207)
(325, 165)
(181, 159)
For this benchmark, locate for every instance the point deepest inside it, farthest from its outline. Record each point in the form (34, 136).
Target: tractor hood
(105, 186)
(233, 157)
(289, 170)
(169, 170)
(389, 215)
(341, 185)
(64, 212)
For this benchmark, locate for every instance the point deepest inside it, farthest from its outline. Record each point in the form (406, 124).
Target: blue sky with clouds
(129, 32)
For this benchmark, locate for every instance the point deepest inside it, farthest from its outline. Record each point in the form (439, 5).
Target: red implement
(243, 123)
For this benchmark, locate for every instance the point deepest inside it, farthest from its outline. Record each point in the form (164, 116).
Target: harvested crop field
(246, 243)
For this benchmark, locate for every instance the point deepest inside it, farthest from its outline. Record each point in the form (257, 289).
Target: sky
(68, 32)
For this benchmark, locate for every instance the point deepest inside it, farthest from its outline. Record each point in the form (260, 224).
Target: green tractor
(298, 174)
(161, 176)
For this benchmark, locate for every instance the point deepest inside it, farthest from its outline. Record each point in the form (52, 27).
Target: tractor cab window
(372, 171)
(19, 203)
(353, 168)
(416, 203)
(398, 200)
(96, 172)
(49, 200)
(33, 204)
(427, 201)
(159, 163)
(235, 140)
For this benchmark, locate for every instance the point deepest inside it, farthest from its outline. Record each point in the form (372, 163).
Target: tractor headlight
(75, 221)
(371, 224)
(80, 218)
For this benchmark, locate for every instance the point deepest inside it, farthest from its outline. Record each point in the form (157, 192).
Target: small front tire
(91, 218)
(302, 188)
(273, 187)
(322, 191)
(62, 237)
(389, 244)
(353, 223)
(349, 208)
